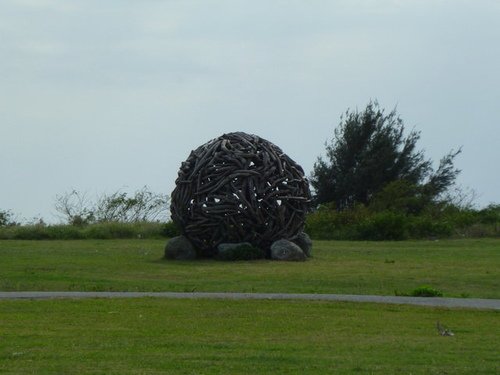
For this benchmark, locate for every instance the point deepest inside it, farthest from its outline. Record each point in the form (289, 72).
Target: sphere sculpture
(239, 188)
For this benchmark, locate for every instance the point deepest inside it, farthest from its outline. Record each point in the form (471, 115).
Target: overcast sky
(101, 96)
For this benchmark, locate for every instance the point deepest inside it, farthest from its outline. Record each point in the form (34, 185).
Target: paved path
(473, 303)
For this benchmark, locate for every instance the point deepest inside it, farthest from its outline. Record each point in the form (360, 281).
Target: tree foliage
(7, 218)
(370, 150)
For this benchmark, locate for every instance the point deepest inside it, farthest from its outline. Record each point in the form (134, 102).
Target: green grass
(152, 336)
(457, 268)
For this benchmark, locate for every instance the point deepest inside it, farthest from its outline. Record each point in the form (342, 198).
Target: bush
(63, 232)
(92, 231)
(426, 291)
(77, 209)
(170, 230)
(29, 232)
(329, 224)
(421, 291)
(385, 225)
(148, 230)
(321, 224)
(109, 230)
(437, 220)
(489, 218)
(479, 230)
(241, 252)
(400, 196)
(123, 230)
(427, 227)
(490, 214)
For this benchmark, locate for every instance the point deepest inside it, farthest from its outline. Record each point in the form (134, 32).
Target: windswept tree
(7, 218)
(370, 150)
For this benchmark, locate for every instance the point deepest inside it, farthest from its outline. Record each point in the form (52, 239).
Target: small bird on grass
(443, 331)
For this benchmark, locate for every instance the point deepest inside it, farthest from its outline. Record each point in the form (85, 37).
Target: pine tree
(370, 150)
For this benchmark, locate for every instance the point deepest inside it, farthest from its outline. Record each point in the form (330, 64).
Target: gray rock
(238, 251)
(304, 242)
(286, 250)
(180, 248)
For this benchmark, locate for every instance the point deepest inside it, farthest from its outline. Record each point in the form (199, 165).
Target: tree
(370, 150)
(7, 218)
(75, 208)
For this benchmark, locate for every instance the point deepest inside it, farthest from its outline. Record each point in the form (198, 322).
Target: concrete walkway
(472, 303)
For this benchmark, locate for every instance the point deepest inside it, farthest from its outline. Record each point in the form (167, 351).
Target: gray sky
(99, 96)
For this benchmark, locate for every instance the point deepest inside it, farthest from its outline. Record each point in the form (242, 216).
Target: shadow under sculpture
(240, 191)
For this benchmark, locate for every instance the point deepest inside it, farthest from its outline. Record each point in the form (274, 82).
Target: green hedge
(360, 223)
(93, 231)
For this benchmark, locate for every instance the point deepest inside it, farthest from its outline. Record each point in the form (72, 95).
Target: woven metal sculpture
(239, 188)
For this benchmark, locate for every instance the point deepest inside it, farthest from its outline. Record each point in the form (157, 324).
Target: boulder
(304, 242)
(286, 250)
(180, 248)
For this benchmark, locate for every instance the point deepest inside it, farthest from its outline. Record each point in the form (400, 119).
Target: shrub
(437, 220)
(31, 232)
(77, 209)
(148, 230)
(426, 291)
(170, 229)
(427, 227)
(385, 225)
(490, 218)
(111, 230)
(400, 196)
(95, 231)
(327, 223)
(421, 291)
(321, 224)
(63, 232)
(490, 214)
(241, 252)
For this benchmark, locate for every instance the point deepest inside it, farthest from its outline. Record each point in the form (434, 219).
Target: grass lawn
(151, 336)
(458, 268)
